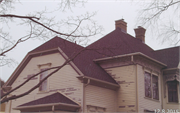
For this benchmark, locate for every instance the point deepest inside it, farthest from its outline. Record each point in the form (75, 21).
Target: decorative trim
(172, 77)
(131, 54)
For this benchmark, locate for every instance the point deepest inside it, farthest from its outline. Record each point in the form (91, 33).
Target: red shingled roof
(169, 56)
(83, 61)
(54, 98)
(115, 43)
(120, 43)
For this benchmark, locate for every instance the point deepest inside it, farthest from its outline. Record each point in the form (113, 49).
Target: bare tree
(40, 26)
(162, 17)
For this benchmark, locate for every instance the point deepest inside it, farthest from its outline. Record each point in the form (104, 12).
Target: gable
(34, 66)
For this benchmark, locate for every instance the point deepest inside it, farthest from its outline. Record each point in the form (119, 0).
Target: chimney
(121, 24)
(140, 33)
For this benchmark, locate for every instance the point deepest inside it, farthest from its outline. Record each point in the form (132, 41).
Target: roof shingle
(54, 98)
(115, 43)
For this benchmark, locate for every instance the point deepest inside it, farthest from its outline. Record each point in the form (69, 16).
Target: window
(148, 85)
(43, 86)
(151, 86)
(155, 87)
(172, 91)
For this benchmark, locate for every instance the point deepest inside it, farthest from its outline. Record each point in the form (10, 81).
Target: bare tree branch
(159, 15)
(18, 16)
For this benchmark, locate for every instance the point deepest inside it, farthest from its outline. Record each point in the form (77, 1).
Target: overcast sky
(107, 12)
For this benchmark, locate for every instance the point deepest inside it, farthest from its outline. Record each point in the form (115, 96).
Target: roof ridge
(56, 37)
(103, 37)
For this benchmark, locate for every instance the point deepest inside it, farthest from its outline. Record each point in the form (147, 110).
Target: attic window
(43, 86)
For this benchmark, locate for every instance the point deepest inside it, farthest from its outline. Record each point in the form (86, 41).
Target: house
(117, 73)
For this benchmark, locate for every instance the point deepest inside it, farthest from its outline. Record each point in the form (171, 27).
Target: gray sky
(107, 12)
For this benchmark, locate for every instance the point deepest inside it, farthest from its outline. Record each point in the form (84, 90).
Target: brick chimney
(121, 24)
(140, 33)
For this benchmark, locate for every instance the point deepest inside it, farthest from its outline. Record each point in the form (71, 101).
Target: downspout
(84, 86)
(136, 79)
(132, 60)
(137, 100)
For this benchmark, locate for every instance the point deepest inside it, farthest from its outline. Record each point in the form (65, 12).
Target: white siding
(101, 97)
(64, 79)
(126, 77)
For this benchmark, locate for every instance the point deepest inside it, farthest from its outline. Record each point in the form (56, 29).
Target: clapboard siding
(101, 97)
(126, 77)
(64, 79)
(146, 103)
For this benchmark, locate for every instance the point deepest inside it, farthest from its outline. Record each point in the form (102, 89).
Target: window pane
(172, 91)
(147, 80)
(43, 86)
(155, 87)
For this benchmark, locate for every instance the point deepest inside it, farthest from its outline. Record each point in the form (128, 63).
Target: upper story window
(151, 86)
(43, 86)
(172, 91)
(155, 87)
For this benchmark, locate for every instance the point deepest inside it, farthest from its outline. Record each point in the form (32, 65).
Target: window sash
(155, 87)
(151, 86)
(148, 92)
(43, 86)
(172, 91)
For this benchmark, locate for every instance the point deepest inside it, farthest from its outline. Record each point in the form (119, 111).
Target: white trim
(45, 105)
(131, 54)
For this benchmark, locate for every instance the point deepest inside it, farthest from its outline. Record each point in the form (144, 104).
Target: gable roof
(51, 99)
(115, 43)
(84, 61)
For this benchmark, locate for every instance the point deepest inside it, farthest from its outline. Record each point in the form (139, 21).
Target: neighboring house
(117, 73)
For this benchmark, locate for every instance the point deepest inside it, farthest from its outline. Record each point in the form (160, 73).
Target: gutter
(131, 54)
(170, 69)
(97, 80)
(84, 95)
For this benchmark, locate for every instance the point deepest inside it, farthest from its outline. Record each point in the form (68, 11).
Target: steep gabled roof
(84, 61)
(66, 46)
(115, 43)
